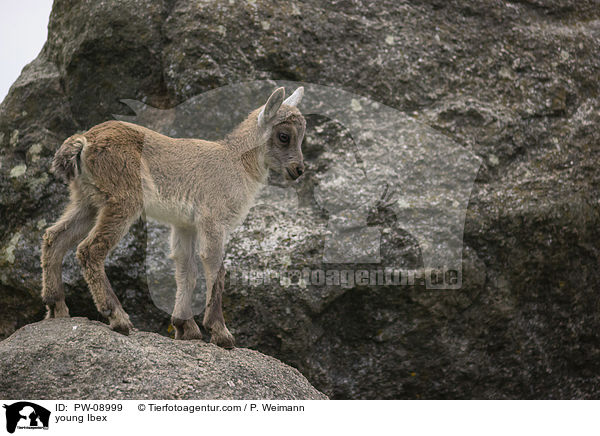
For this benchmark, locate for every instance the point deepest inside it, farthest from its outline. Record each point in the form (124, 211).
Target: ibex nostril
(299, 170)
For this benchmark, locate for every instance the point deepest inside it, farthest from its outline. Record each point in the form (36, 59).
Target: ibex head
(283, 124)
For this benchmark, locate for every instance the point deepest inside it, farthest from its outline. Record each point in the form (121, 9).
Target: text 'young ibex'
(203, 189)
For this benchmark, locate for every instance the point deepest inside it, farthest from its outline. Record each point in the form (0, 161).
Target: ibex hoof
(187, 330)
(223, 339)
(106, 312)
(57, 310)
(122, 328)
(119, 322)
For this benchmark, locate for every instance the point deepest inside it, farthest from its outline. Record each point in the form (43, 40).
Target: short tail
(67, 160)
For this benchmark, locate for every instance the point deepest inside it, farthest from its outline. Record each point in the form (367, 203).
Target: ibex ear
(271, 107)
(295, 98)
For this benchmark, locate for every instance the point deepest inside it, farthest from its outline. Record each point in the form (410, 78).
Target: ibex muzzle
(117, 171)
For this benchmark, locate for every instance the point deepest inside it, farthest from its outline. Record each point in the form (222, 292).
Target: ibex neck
(244, 141)
(254, 164)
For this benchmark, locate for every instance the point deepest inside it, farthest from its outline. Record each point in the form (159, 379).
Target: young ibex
(117, 171)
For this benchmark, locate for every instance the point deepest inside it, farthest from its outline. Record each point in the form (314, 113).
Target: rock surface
(80, 359)
(514, 83)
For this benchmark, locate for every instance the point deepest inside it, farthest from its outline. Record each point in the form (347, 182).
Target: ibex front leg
(212, 260)
(183, 252)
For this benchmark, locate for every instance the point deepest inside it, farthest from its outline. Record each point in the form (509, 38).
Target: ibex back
(117, 171)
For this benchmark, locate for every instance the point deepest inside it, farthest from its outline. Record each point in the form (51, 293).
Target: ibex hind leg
(112, 223)
(76, 221)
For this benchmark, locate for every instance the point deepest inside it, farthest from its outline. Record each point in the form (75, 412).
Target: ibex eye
(284, 137)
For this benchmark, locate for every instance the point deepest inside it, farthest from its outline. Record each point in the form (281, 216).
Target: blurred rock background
(516, 83)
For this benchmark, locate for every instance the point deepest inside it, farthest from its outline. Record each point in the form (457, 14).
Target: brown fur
(66, 163)
(117, 171)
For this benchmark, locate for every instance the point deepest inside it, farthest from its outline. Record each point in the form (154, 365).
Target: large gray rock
(516, 84)
(80, 359)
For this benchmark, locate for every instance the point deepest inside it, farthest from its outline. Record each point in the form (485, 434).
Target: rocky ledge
(75, 358)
